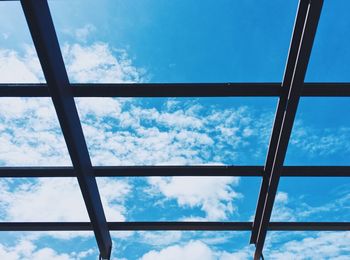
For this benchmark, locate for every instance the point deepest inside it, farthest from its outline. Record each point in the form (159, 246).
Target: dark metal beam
(326, 90)
(175, 171)
(135, 171)
(191, 225)
(299, 55)
(125, 226)
(315, 171)
(170, 226)
(292, 57)
(43, 33)
(178, 90)
(309, 226)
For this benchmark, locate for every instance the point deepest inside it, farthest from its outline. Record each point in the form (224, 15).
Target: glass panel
(183, 131)
(30, 133)
(57, 245)
(307, 245)
(174, 41)
(19, 62)
(321, 133)
(179, 198)
(330, 55)
(41, 199)
(182, 245)
(314, 199)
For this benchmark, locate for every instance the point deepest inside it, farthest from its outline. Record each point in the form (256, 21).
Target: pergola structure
(289, 91)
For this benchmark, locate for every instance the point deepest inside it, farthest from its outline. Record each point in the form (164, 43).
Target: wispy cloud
(98, 63)
(50, 199)
(30, 133)
(281, 210)
(159, 238)
(82, 33)
(124, 132)
(196, 250)
(310, 245)
(215, 196)
(304, 245)
(320, 142)
(17, 68)
(131, 131)
(297, 209)
(94, 63)
(27, 249)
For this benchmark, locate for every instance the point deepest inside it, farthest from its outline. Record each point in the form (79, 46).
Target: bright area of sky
(175, 41)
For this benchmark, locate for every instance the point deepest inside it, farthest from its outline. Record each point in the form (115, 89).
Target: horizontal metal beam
(178, 90)
(315, 171)
(309, 226)
(134, 171)
(176, 171)
(172, 226)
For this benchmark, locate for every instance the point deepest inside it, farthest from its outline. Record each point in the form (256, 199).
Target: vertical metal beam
(304, 31)
(288, 74)
(41, 27)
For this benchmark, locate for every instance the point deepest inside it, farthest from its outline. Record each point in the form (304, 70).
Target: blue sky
(175, 41)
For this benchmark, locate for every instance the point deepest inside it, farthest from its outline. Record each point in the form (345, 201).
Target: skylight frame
(63, 93)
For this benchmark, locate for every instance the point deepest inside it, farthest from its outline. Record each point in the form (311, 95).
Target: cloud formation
(98, 63)
(311, 245)
(26, 249)
(124, 132)
(215, 196)
(321, 142)
(131, 131)
(196, 250)
(297, 209)
(17, 68)
(52, 199)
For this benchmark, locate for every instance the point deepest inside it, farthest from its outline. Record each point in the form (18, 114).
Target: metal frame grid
(43, 33)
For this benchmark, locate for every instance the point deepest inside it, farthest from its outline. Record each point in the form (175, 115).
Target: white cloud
(27, 250)
(214, 195)
(177, 135)
(42, 200)
(321, 142)
(195, 250)
(30, 133)
(113, 194)
(160, 238)
(52, 199)
(320, 245)
(98, 63)
(16, 68)
(323, 245)
(187, 133)
(82, 33)
(32, 127)
(297, 209)
(281, 212)
(30, 136)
